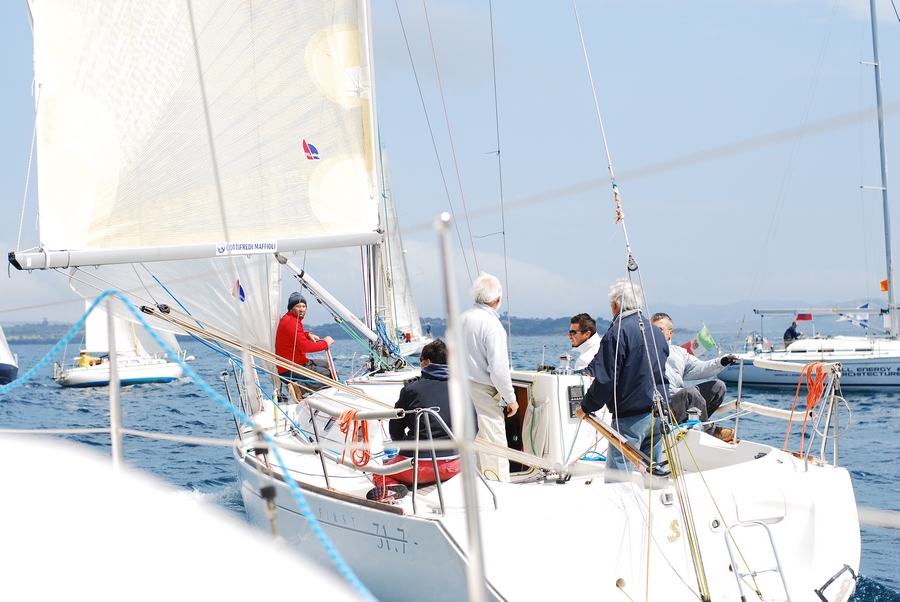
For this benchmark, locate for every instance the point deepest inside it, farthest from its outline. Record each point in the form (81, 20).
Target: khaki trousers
(491, 427)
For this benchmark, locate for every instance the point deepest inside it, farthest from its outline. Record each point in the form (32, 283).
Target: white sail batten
(122, 145)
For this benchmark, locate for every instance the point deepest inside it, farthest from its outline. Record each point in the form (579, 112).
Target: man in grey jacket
(706, 396)
(487, 362)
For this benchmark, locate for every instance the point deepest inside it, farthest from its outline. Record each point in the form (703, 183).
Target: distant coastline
(48, 333)
(518, 327)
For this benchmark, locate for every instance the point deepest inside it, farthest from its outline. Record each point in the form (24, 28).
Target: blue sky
(702, 102)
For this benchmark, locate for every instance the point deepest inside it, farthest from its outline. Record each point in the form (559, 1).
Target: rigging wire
(386, 259)
(450, 136)
(862, 162)
(242, 326)
(433, 142)
(37, 105)
(781, 198)
(500, 182)
(631, 266)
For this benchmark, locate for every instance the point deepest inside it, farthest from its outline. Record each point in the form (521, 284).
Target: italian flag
(701, 343)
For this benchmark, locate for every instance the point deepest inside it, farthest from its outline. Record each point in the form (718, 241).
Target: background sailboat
(867, 360)
(140, 359)
(9, 363)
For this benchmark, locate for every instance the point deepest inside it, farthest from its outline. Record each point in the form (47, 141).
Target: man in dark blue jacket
(629, 370)
(429, 391)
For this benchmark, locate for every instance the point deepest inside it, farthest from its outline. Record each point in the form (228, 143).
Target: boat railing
(826, 416)
(433, 445)
(433, 412)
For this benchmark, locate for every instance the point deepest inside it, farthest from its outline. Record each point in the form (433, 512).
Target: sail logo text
(226, 248)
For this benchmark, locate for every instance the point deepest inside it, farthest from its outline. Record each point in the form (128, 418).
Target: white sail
(124, 154)
(126, 167)
(239, 295)
(395, 293)
(97, 339)
(6, 355)
(130, 338)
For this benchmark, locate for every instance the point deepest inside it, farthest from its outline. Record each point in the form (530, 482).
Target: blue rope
(393, 348)
(305, 510)
(593, 456)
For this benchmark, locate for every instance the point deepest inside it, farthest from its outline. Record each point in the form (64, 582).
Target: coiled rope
(815, 386)
(356, 437)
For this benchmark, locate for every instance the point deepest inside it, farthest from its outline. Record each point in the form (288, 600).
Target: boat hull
(590, 540)
(570, 538)
(865, 362)
(8, 373)
(132, 371)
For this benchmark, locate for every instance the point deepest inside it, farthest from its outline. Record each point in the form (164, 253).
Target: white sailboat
(868, 361)
(9, 363)
(136, 364)
(273, 151)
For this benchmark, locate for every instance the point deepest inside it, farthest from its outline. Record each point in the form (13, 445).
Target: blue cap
(294, 299)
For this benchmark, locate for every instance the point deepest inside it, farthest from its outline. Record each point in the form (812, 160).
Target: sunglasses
(571, 332)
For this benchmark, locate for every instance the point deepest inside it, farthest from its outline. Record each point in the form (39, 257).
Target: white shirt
(486, 352)
(588, 350)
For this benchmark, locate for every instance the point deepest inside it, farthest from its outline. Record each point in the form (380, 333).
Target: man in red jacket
(293, 343)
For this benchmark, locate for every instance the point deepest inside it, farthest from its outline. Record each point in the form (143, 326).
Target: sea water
(868, 449)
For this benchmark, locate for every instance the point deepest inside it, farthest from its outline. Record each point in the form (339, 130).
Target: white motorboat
(283, 157)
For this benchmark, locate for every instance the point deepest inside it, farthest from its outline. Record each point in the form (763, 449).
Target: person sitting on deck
(706, 396)
(428, 391)
(293, 343)
(85, 360)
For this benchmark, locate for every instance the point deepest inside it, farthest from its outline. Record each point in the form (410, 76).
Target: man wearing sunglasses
(584, 338)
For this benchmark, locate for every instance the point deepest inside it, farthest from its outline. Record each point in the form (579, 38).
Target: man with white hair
(484, 340)
(706, 396)
(629, 371)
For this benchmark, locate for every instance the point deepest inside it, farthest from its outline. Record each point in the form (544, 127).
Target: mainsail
(126, 128)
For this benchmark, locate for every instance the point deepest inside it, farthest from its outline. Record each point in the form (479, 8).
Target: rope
(359, 443)
(815, 386)
(305, 510)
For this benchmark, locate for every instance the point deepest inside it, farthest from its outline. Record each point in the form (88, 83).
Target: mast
(892, 308)
(377, 248)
